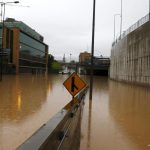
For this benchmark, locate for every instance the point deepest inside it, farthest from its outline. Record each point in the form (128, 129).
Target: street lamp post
(115, 25)
(149, 10)
(121, 19)
(3, 25)
(92, 51)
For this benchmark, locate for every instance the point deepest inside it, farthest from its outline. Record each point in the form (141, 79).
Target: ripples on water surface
(118, 118)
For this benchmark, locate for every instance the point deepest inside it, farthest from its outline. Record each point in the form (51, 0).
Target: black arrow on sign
(73, 86)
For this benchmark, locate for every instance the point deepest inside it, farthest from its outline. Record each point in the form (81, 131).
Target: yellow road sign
(74, 84)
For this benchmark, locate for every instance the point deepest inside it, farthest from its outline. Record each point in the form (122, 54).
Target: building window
(32, 53)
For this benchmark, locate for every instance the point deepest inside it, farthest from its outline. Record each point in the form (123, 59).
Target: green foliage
(56, 65)
(53, 65)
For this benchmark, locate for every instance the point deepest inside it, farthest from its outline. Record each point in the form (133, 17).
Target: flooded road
(26, 103)
(118, 118)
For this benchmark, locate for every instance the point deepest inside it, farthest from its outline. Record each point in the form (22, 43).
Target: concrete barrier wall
(130, 57)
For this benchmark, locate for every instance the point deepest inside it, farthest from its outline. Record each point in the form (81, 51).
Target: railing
(60, 132)
(139, 23)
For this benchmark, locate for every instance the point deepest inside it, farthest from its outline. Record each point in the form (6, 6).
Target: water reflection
(129, 106)
(95, 117)
(19, 102)
(89, 125)
(26, 103)
(118, 118)
(21, 96)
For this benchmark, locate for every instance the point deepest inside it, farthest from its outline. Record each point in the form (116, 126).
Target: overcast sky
(67, 24)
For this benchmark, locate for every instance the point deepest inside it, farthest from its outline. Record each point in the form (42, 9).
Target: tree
(50, 61)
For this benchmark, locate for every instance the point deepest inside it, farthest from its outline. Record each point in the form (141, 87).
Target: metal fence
(135, 26)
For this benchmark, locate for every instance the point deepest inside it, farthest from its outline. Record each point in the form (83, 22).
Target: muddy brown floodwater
(26, 103)
(117, 118)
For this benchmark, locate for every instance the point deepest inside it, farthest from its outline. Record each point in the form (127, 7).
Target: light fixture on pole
(3, 25)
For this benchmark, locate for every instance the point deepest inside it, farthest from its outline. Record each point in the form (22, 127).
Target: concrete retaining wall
(130, 57)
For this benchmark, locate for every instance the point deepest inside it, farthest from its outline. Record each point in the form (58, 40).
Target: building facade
(23, 49)
(83, 57)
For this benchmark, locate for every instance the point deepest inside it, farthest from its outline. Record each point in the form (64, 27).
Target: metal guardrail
(60, 132)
